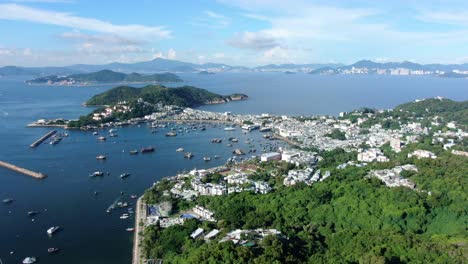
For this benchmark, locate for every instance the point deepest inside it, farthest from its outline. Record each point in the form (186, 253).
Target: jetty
(43, 138)
(24, 171)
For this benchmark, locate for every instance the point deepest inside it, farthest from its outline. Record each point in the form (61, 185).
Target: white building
(270, 156)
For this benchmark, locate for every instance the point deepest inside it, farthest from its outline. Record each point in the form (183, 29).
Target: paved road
(140, 217)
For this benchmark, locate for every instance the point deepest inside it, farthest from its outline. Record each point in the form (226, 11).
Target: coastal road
(139, 218)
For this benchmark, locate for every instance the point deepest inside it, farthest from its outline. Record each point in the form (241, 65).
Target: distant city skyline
(237, 32)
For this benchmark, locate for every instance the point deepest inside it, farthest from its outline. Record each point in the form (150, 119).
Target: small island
(104, 76)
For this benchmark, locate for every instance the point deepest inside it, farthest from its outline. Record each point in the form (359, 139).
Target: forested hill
(107, 76)
(446, 108)
(186, 96)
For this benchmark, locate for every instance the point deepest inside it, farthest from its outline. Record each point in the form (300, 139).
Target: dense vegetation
(108, 76)
(186, 96)
(337, 134)
(346, 219)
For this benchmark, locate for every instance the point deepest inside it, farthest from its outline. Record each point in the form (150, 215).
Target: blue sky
(236, 32)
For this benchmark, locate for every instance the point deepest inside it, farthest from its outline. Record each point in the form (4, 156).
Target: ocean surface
(66, 198)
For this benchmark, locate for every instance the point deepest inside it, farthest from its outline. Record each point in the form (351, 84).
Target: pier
(24, 171)
(140, 223)
(43, 138)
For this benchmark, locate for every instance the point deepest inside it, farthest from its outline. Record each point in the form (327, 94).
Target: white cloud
(219, 55)
(261, 40)
(212, 20)
(445, 17)
(36, 15)
(45, 1)
(171, 54)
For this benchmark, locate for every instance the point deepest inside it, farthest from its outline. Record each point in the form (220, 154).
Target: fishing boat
(29, 260)
(101, 157)
(52, 230)
(124, 175)
(96, 174)
(52, 250)
(180, 150)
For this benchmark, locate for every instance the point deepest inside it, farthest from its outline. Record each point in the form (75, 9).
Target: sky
(235, 32)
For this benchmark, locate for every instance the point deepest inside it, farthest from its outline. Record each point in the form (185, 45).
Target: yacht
(180, 150)
(124, 175)
(29, 260)
(52, 250)
(7, 200)
(96, 174)
(52, 230)
(101, 157)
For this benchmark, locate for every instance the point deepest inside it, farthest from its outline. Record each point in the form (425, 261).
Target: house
(197, 233)
(420, 153)
(270, 156)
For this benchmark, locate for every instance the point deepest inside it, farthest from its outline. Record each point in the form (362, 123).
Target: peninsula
(104, 76)
(125, 103)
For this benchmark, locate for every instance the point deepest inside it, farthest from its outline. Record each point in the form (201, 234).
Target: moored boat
(180, 150)
(188, 155)
(133, 152)
(52, 230)
(52, 250)
(96, 174)
(147, 150)
(29, 260)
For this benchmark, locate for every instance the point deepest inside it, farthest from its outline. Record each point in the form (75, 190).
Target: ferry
(147, 150)
(52, 250)
(96, 174)
(188, 155)
(180, 150)
(101, 157)
(52, 230)
(124, 175)
(29, 260)
(229, 128)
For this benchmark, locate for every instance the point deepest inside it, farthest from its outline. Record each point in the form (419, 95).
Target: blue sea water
(65, 198)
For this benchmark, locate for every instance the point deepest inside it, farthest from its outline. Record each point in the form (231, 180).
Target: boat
(238, 152)
(52, 250)
(96, 174)
(52, 230)
(33, 213)
(206, 158)
(29, 260)
(180, 150)
(130, 229)
(216, 156)
(265, 129)
(233, 139)
(7, 201)
(147, 150)
(216, 140)
(102, 138)
(95, 133)
(133, 196)
(124, 216)
(124, 175)
(229, 128)
(133, 152)
(113, 135)
(101, 157)
(171, 134)
(188, 155)
(112, 130)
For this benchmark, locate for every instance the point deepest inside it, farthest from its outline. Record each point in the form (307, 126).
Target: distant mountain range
(164, 65)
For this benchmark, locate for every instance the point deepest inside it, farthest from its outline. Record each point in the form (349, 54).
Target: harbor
(43, 138)
(24, 171)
